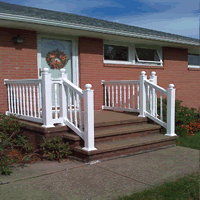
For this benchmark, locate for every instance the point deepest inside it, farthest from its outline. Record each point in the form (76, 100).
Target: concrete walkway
(73, 180)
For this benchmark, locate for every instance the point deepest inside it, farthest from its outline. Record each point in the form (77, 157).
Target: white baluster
(20, 94)
(112, 95)
(67, 102)
(124, 95)
(147, 97)
(17, 85)
(56, 104)
(156, 103)
(138, 96)
(24, 100)
(161, 114)
(75, 110)
(105, 96)
(133, 96)
(109, 95)
(120, 96)
(151, 100)
(34, 100)
(70, 104)
(27, 102)
(9, 106)
(31, 105)
(38, 99)
(80, 116)
(14, 99)
(117, 95)
(129, 95)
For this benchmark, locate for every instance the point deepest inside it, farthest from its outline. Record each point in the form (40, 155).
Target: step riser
(125, 152)
(126, 135)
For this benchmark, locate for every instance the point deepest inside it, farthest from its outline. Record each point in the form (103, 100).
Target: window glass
(112, 52)
(193, 59)
(147, 54)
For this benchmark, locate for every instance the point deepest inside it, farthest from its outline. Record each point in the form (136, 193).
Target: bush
(55, 148)
(10, 138)
(184, 117)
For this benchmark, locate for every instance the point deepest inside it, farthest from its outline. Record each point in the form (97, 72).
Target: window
(128, 54)
(194, 59)
(147, 55)
(113, 52)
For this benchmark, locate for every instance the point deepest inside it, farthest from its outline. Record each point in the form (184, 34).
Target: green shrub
(9, 138)
(183, 116)
(55, 148)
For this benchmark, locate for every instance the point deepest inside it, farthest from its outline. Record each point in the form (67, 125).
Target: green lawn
(186, 188)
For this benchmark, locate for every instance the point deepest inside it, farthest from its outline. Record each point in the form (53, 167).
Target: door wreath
(56, 59)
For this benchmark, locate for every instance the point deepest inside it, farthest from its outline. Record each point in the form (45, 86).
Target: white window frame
(193, 66)
(132, 53)
(149, 62)
(117, 61)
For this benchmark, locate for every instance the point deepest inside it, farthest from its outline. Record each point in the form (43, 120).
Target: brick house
(95, 50)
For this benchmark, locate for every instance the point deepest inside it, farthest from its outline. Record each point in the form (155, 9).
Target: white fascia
(34, 20)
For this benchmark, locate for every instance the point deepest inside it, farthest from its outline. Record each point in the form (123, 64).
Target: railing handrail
(22, 81)
(120, 81)
(156, 87)
(73, 86)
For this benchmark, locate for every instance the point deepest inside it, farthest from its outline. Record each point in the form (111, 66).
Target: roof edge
(34, 20)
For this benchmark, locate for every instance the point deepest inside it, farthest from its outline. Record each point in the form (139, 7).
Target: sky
(172, 16)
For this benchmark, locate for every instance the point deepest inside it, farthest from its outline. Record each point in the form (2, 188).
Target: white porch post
(143, 77)
(170, 111)
(46, 99)
(88, 96)
(153, 79)
(63, 97)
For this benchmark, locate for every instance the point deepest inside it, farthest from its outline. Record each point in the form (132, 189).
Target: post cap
(45, 71)
(88, 86)
(62, 70)
(171, 86)
(153, 73)
(143, 73)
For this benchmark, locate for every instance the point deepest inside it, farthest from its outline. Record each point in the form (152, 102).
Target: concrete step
(126, 146)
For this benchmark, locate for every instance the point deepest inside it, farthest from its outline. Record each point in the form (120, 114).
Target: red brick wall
(175, 70)
(16, 61)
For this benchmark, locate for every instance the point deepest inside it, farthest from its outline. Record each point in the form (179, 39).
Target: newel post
(142, 104)
(170, 111)
(46, 99)
(153, 79)
(63, 96)
(88, 96)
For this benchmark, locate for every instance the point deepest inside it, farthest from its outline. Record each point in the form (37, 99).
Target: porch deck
(116, 134)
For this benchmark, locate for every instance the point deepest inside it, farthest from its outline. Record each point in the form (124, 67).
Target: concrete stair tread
(126, 143)
(116, 130)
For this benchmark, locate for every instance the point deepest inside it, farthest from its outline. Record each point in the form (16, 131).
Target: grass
(186, 188)
(191, 141)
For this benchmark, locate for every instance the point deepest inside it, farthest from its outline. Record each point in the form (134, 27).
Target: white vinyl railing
(147, 93)
(121, 95)
(50, 101)
(24, 98)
